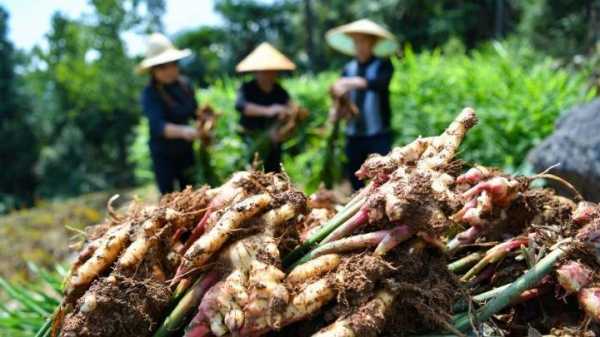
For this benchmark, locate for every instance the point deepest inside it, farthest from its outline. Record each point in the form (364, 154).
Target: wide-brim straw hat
(160, 50)
(340, 39)
(265, 58)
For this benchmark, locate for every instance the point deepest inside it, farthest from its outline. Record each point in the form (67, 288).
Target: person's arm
(347, 83)
(379, 83)
(176, 131)
(256, 110)
(384, 76)
(159, 127)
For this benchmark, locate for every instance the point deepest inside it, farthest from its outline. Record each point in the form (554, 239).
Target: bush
(518, 94)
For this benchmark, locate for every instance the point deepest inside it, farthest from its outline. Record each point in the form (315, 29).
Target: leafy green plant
(518, 94)
(26, 308)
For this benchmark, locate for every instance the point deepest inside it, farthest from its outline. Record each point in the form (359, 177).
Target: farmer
(366, 80)
(262, 102)
(169, 103)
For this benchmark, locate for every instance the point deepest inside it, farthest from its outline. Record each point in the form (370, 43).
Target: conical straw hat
(160, 50)
(265, 57)
(339, 38)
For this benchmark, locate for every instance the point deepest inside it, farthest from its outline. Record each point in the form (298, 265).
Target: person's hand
(340, 87)
(189, 133)
(333, 114)
(279, 111)
(345, 84)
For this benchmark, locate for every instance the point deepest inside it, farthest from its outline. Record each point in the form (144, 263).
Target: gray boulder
(575, 144)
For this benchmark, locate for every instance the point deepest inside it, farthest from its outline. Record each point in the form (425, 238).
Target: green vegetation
(25, 308)
(70, 110)
(17, 181)
(518, 95)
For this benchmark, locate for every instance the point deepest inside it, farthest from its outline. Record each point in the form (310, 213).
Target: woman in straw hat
(365, 79)
(262, 101)
(169, 103)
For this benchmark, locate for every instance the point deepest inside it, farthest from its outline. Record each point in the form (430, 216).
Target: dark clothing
(271, 156)
(250, 92)
(173, 103)
(370, 131)
(169, 169)
(374, 101)
(359, 148)
(256, 129)
(178, 107)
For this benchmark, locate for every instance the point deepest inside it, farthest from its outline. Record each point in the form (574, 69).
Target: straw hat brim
(169, 55)
(265, 58)
(340, 38)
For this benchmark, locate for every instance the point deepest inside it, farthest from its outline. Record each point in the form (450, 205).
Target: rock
(575, 144)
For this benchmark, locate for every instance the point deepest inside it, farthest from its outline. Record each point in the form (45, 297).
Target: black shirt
(250, 92)
(379, 85)
(180, 110)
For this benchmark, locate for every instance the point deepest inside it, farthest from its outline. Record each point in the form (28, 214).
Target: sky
(29, 20)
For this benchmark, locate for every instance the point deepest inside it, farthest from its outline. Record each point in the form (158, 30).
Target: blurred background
(72, 128)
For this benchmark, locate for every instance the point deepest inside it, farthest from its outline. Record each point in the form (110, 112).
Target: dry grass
(42, 234)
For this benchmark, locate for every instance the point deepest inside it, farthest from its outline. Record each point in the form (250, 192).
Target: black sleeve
(194, 100)
(240, 102)
(190, 94)
(284, 95)
(384, 76)
(153, 109)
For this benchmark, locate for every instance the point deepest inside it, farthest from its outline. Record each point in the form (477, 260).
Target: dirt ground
(42, 234)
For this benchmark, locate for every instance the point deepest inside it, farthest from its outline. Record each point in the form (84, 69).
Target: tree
(88, 102)
(18, 148)
(563, 28)
(250, 22)
(309, 24)
(209, 54)
(155, 11)
(298, 27)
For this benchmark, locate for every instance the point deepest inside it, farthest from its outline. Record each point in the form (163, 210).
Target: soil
(539, 207)
(118, 306)
(416, 205)
(425, 290)
(369, 320)
(303, 328)
(356, 280)
(132, 300)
